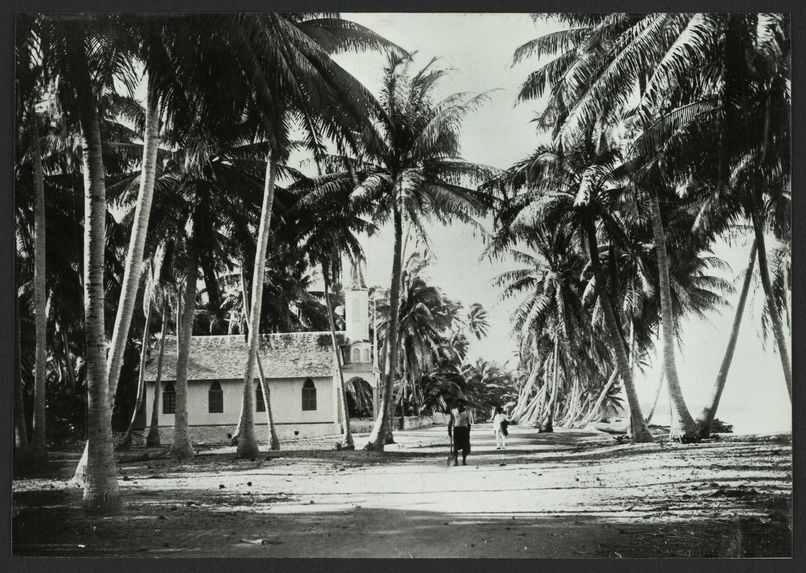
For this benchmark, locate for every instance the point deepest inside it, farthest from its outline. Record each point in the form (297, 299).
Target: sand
(568, 494)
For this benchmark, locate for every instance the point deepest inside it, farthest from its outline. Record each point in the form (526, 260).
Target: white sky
(478, 49)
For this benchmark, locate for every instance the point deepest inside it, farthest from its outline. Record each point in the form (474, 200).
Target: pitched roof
(288, 355)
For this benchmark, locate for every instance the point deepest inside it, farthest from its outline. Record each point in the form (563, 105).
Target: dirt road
(566, 494)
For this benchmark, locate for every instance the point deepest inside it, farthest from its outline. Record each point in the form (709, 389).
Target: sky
(478, 49)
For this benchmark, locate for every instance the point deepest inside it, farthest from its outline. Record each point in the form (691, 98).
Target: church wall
(286, 397)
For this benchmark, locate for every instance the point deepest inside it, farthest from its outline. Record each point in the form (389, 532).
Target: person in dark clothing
(459, 430)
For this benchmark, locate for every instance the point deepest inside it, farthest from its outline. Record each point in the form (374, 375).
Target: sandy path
(567, 494)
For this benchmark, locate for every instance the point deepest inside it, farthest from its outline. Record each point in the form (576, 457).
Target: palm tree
(274, 440)
(39, 455)
(552, 316)
(29, 87)
(328, 228)
(738, 65)
(569, 187)
(706, 417)
(134, 254)
(286, 57)
(153, 436)
(21, 447)
(100, 485)
(148, 304)
(409, 166)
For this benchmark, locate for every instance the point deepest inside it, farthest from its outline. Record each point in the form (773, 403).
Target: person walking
(500, 423)
(459, 430)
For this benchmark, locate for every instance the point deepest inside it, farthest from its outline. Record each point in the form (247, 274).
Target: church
(299, 369)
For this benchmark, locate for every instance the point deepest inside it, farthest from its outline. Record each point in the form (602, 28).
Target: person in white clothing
(500, 429)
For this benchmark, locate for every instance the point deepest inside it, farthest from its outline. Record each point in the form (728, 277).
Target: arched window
(366, 355)
(308, 395)
(260, 403)
(356, 355)
(215, 398)
(168, 399)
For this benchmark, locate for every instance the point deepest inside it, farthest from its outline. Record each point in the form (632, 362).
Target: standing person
(459, 429)
(500, 428)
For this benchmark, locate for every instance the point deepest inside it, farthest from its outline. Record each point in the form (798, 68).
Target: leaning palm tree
(569, 187)
(738, 64)
(551, 315)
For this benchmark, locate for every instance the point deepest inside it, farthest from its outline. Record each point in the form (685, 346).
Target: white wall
(286, 401)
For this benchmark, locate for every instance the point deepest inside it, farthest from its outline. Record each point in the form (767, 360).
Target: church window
(215, 398)
(169, 399)
(308, 395)
(366, 355)
(356, 355)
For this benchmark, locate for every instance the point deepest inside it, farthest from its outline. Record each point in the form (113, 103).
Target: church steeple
(356, 299)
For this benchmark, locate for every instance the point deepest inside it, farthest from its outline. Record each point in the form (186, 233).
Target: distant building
(299, 368)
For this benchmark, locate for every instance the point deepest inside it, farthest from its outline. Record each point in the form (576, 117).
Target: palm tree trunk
(247, 444)
(539, 414)
(211, 283)
(38, 446)
(775, 317)
(134, 255)
(602, 395)
(134, 259)
(657, 396)
(274, 441)
(347, 441)
(682, 424)
(141, 378)
(377, 437)
(707, 415)
(71, 376)
(525, 394)
(547, 424)
(532, 407)
(153, 437)
(640, 433)
(555, 387)
(22, 450)
(182, 448)
(101, 493)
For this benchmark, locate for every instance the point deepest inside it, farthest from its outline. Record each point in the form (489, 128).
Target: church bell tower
(356, 302)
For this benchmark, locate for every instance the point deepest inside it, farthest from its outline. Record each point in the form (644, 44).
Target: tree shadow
(166, 523)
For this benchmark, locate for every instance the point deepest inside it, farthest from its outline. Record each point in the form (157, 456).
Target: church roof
(287, 355)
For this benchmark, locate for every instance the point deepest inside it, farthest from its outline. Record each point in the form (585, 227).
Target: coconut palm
(569, 187)
(706, 417)
(410, 170)
(76, 46)
(29, 86)
(738, 65)
(292, 78)
(328, 229)
(551, 315)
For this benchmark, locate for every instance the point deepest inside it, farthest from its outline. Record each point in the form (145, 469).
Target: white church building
(299, 369)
